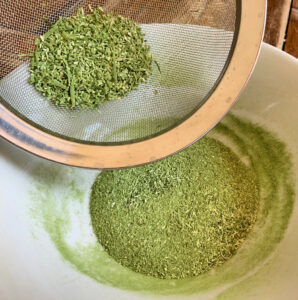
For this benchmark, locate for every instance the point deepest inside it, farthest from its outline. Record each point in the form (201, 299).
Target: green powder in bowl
(179, 217)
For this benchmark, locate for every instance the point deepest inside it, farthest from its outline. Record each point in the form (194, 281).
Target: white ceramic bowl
(45, 226)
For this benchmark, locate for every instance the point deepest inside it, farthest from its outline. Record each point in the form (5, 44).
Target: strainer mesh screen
(191, 40)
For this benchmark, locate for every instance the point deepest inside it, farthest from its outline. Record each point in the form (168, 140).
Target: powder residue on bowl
(179, 217)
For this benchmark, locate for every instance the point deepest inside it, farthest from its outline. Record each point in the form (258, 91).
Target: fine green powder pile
(88, 59)
(179, 217)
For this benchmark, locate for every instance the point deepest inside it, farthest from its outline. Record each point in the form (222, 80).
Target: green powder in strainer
(179, 217)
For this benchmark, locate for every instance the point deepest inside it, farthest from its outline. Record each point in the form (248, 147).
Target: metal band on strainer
(206, 49)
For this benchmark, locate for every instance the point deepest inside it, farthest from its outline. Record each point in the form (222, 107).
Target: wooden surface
(291, 45)
(282, 25)
(277, 20)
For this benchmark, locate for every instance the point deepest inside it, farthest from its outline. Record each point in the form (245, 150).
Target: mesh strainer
(206, 50)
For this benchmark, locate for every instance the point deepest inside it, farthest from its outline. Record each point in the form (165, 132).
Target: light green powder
(60, 214)
(179, 217)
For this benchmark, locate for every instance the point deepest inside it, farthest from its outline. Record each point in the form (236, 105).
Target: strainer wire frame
(245, 49)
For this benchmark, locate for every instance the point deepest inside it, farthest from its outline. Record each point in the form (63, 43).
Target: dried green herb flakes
(88, 59)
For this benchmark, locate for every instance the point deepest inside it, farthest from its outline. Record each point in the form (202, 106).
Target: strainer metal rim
(29, 138)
